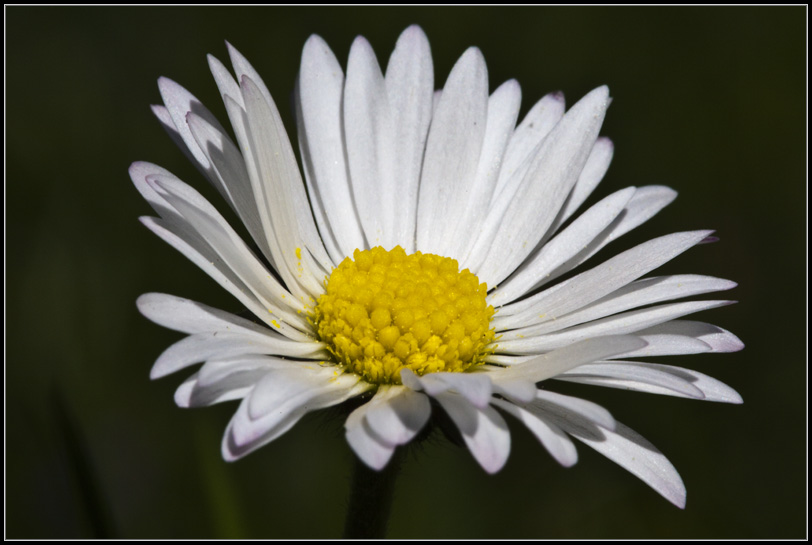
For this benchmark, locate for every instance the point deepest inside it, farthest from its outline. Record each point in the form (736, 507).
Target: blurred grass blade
(80, 464)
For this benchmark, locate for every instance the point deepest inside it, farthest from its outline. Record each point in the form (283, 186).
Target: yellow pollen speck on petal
(383, 311)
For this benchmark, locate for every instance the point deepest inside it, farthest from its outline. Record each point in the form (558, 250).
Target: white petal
(204, 220)
(484, 431)
(139, 172)
(653, 378)
(244, 69)
(367, 444)
(281, 179)
(279, 400)
(284, 196)
(435, 100)
(568, 357)
(669, 345)
(534, 128)
(226, 83)
(518, 390)
(225, 380)
(686, 337)
(201, 347)
(548, 181)
(632, 376)
(506, 359)
(190, 316)
(557, 443)
(228, 166)
(284, 390)
(646, 202)
(198, 252)
(720, 340)
(369, 136)
(503, 109)
(528, 341)
(410, 87)
(561, 248)
(597, 282)
(183, 394)
(398, 415)
(452, 153)
(475, 387)
(235, 382)
(595, 168)
(165, 118)
(638, 294)
(180, 102)
(222, 344)
(524, 144)
(216, 370)
(553, 403)
(321, 140)
(632, 452)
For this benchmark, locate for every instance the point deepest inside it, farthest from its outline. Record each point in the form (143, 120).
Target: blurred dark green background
(709, 101)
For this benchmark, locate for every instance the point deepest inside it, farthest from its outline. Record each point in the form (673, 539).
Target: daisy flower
(432, 259)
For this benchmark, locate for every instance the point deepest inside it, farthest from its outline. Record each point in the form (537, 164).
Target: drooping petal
(280, 400)
(189, 394)
(557, 443)
(632, 452)
(558, 404)
(399, 414)
(517, 389)
(364, 441)
(476, 388)
(225, 379)
(483, 430)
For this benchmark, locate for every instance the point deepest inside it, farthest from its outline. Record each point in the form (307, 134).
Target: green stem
(371, 499)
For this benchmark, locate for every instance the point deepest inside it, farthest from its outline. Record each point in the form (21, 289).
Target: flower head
(419, 263)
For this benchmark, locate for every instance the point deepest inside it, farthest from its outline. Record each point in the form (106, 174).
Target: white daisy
(418, 264)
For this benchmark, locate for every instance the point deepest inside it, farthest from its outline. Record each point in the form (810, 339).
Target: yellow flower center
(385, 311)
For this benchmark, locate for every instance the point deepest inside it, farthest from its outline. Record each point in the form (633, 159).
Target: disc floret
(384, 311)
